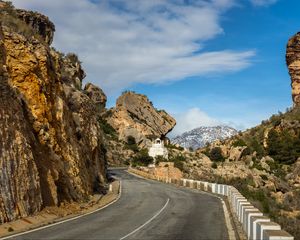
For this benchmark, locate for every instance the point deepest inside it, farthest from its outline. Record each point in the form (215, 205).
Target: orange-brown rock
(51, 142)
(134, 115)
(293, 63)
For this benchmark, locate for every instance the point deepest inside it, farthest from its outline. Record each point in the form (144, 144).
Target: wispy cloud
(125, 42)
(263, 2)
(191, 119)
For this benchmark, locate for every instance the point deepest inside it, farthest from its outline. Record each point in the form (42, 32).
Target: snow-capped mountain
(198, 137)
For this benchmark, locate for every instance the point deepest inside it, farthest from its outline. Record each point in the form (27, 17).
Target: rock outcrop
(134, 115)
(96, 95)
(51, 142)
(293, 63)
(39, 23)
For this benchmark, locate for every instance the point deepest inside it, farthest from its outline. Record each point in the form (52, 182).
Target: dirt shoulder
(50, 215)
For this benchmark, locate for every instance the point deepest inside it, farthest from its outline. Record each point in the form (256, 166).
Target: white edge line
(230, 230)
(69, 219)
(140, 227)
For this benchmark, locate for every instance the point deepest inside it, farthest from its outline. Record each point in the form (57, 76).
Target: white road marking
(67, 220)
(230, 230)
(150, 220)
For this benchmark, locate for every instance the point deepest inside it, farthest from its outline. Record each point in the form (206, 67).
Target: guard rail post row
(255, 225)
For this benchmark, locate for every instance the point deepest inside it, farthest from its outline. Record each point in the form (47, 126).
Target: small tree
(142, 158)
(216, 154)
(131, 144)
(131, 140)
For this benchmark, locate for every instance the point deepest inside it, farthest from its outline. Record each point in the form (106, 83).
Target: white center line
(151, 219)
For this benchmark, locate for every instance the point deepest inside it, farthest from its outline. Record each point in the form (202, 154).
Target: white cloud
(124, 42)
(191, 119)
(263, 2)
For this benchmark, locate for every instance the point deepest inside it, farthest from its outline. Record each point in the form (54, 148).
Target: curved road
(146, 210)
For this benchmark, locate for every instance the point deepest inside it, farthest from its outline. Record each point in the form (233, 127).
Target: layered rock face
(134, 115)
(51, 143)
(293, 63)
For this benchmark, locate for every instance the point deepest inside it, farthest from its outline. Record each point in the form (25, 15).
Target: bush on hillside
(142, 158)
(216, 155)
(239, 143)
(107, 128)
(178, 161)
(283, 147)
(131, 144)
(172, 146)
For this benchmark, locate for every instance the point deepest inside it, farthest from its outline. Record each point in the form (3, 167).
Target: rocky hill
(134, 115)
(199, 137)
(293, 63)
(51, 142)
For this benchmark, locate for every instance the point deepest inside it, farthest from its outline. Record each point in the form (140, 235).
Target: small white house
(158, 149)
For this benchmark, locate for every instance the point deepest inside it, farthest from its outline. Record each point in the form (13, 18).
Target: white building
(158, 149)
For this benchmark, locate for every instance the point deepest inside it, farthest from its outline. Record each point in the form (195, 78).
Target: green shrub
(73, 58)
(10, 229)
(107, 128)
(246, 152)
(284, 146)
(264, 177)
(216, 154)
(131, 144)
(172, 146)
(178, 161)
(256, 146)
(131, 140)
(214, 165)
(159, 159)
(239, 143)
(142, 158)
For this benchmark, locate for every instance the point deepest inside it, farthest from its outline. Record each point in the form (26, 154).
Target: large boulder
(134, 115)
(96, 95)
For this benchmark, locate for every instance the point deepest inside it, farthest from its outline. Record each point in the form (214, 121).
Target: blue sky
(206, 62)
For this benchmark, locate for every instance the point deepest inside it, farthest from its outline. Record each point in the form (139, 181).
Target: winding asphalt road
(146, 210)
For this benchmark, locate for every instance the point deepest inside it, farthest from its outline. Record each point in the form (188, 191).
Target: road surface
(146, 210)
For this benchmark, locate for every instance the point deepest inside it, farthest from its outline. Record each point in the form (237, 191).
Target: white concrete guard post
(213, 188)
(254, 231)
(276, 235)
(263, 226)
(191, 185)
(198, 185)
(249, 212)
(206, 186)
(242, 207)
(237, 201)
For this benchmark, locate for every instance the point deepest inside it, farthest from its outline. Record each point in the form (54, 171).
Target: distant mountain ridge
(198, 137)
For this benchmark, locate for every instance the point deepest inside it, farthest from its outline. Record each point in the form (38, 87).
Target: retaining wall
(255, 225)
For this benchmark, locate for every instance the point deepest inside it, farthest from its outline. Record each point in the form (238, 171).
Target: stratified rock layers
(51, 143)
(293, 63)
(134, 115)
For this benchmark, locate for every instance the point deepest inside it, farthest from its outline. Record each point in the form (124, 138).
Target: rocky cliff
(134, 115)
(51, 142)
(293, 63)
